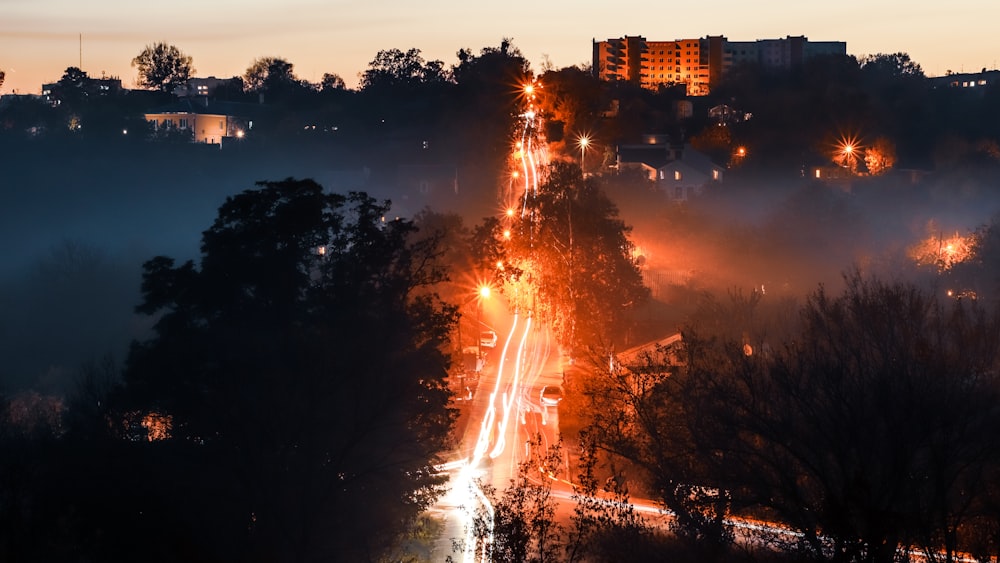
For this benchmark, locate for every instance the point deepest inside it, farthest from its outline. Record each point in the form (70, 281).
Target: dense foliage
(290, 406)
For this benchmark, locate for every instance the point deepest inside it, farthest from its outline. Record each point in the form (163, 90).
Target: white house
(687, 175)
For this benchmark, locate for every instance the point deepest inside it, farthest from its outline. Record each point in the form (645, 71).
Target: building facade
(698, 64)
(207, 122)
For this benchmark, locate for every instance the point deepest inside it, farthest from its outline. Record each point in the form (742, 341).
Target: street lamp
(484, 293)
(583, 142)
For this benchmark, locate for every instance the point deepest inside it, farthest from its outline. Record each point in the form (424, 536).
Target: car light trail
(509, 387)
(512, 391)
(486, 428)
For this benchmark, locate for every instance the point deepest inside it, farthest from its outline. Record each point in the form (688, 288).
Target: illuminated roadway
(505, 412)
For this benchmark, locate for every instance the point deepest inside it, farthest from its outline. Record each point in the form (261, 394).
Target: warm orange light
(529, 89)
(516, 174)
(499, 264)
(942, 252)
(484, 292)
(742, 151)
(506, 233)
(847, 152)
(510, 212)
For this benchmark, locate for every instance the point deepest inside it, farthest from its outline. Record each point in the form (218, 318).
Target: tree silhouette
(866, 432)
(302, 371)
(162, 67)
(393, 68)
(571, 243)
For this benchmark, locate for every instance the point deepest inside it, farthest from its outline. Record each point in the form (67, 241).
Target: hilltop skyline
(39, 40)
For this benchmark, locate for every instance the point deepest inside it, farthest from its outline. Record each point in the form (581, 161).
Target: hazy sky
(39, 39)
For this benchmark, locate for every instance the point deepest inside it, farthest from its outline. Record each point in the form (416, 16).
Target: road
(504, 415)
(505, 412)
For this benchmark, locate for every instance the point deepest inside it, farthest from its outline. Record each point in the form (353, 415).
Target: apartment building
(699, 63)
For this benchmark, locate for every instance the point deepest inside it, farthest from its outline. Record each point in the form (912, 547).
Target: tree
(489, 87)
(573, 250)
(331, 82)
(304, 372)
(273, 76)
(893, 65)
(520, 523)
(880, 156)
(866, 432)
(862, 425)
(394, 69)
(570, 99)
(71, 89)
(162, 67)
(2, 76)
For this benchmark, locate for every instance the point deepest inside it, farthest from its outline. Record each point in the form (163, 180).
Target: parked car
(488, 339)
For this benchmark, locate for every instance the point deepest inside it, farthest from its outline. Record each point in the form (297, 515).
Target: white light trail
(512, 391)
(490, 429)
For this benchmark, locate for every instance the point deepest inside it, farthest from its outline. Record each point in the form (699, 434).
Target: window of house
(677, 174)
(715, 174)
(661, 174)
(817, 173)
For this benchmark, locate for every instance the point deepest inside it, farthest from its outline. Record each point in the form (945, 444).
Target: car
(488, 339)
(551, 395)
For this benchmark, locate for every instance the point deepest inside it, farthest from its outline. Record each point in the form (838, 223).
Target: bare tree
(866, 432)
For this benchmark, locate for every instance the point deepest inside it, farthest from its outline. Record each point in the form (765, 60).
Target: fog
(76, 224)
(786, 234)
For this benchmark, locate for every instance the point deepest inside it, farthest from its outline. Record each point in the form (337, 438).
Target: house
(209, 121)
(654, 151)
(687, 174)
(678, 170)
(202, 87)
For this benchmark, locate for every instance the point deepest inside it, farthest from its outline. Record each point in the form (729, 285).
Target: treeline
(421, 110)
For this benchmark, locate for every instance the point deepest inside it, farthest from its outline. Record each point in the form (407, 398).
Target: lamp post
(484, 293)
(584, 141)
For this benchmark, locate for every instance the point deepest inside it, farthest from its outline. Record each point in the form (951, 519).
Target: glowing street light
(484, 293)
(583, 142)
(847, 151)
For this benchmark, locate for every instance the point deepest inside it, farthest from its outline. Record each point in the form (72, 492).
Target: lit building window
(677, 174)
(715, 174)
